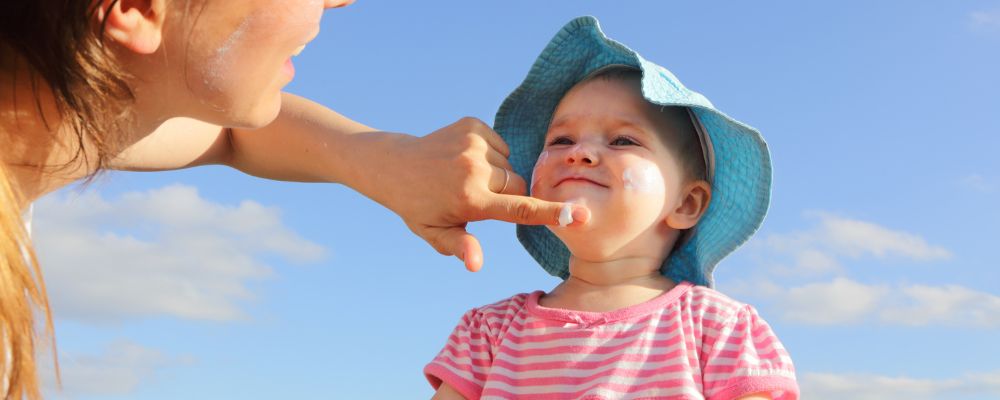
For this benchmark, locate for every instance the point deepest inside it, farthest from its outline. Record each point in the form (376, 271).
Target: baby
(673, 186)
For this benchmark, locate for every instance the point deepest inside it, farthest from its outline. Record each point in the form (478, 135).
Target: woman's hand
(457, 174)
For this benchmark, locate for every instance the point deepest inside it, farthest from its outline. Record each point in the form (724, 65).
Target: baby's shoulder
(505, 309)
(712, 306)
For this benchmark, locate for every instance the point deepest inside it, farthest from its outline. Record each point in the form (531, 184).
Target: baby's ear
(136, 25)
(696, 196)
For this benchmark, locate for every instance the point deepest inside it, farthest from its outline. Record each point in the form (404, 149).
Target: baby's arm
(756, 396)
(446, 392)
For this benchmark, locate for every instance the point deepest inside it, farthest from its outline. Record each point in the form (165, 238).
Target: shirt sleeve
(743, 356)
(466, 358)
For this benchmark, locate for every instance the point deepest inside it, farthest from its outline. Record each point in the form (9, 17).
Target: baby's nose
(582, 154)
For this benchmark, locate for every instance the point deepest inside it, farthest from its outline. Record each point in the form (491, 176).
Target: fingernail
(581, 214)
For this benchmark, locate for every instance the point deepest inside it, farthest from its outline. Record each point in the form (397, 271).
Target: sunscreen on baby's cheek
(542, 159)
(644, 178)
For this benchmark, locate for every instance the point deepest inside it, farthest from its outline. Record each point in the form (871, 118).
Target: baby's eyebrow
(563, 120)
(615, 122)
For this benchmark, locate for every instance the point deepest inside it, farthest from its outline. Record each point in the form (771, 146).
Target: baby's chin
(611, 229)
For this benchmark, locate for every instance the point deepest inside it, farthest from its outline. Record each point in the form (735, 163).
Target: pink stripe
(437, 374)
(765, 384)
(588, 365)
(577, 349)
(616, 387)
(518, 337)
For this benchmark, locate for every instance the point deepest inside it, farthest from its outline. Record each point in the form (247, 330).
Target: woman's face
(232, 58)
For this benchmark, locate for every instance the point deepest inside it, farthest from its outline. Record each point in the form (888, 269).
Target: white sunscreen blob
(566, 215)
(642, 178)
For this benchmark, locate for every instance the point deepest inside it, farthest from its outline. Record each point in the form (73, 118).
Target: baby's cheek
(643, 177)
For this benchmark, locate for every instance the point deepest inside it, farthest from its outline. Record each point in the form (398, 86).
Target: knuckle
(466, 162)
(465, 202)
(523, 212)
(470, 122)
(439, 246)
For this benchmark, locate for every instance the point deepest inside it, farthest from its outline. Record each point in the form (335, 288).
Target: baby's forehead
(667, 121)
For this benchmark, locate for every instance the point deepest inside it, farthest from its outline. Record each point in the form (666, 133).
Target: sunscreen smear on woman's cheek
(215, 69)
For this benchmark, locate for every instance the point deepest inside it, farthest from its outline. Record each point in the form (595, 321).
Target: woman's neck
(38, 144)
(608, 285)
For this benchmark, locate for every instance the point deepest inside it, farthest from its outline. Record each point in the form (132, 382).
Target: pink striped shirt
(689, 343)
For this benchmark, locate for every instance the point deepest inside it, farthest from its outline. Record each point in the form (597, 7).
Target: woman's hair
(63, 48)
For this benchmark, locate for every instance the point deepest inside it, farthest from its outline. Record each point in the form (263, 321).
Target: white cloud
(858, 238)
(949, 305)
(118, 370)
(834, 242)
(162, 252)
(843, 301)
(820, 249)
(823, 386)
(838, 302)
(985, 20)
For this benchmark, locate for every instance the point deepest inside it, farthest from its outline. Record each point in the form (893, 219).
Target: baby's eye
(560, 140)
(624, 141)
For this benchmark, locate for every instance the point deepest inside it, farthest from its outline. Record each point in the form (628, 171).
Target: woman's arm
(437, 183)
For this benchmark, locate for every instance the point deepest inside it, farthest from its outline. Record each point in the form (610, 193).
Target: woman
(147, 85)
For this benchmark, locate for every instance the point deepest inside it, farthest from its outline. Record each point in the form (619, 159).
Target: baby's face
(603, 149)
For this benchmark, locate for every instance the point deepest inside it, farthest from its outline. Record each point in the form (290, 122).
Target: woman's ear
(136, 25)
(696, 196)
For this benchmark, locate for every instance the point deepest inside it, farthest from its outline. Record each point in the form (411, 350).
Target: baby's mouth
(579, 180)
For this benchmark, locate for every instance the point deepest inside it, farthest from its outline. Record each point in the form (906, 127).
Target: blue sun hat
(739, 165)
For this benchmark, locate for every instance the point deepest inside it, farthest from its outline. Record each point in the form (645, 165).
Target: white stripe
(462, 361)
(594, 342)
(578, 356)
(774, 345)
(464, 347)
(605, 370)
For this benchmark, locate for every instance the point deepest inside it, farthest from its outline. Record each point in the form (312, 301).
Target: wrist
(364, 163)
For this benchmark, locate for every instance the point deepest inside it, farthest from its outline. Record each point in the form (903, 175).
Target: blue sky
(874, 266)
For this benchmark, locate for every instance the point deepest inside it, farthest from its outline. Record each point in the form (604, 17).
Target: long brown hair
(63, 47)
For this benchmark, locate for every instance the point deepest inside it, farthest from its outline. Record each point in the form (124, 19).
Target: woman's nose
(337, 3)
(582, 154)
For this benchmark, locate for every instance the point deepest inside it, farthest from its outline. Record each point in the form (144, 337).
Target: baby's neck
(604, 287)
